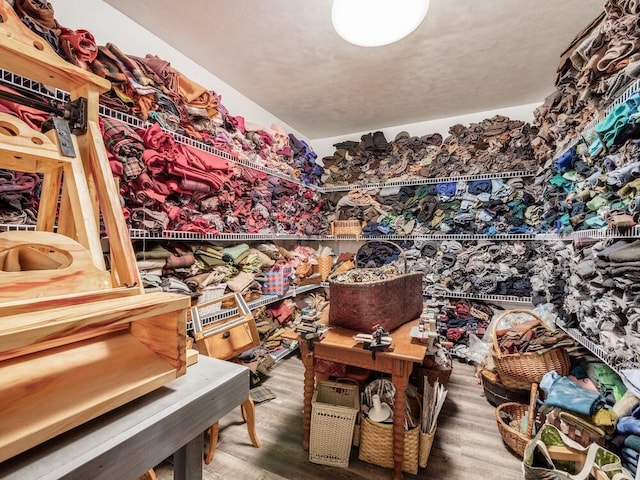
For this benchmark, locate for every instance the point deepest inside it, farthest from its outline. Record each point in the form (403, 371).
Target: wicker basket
(325, 264)
(346, 228)
(333, 414)
(389, 303)
(497, 394)
(426, 442)
(376, 445)
(514, 438)
(519, 370)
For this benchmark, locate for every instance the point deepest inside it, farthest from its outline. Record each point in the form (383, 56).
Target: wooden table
(131, 439)
(337, 345)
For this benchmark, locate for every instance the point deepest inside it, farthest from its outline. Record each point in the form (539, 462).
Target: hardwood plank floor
(467, 445)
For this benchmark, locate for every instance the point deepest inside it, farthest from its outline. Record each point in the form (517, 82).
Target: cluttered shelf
(24, 84)
(138, 234)
(593, 347)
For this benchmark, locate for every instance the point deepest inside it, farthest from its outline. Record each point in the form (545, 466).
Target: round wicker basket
(519, 370)
(512, 437)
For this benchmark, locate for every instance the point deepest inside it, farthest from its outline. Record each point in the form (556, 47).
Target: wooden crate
(229, 335)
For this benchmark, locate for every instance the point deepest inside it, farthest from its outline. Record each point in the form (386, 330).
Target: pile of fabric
(476, 267)
(167, 185)
(581, 403)
(195, 269)
(597, 66)
(458, 320)
(496, 144)
(604, 297)
(150, 89)
(583, 192)
(490, 207)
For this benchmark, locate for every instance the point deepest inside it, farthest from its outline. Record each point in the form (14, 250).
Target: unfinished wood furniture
(76, 340)
(226, 339)
(126, 442)
(338, 345)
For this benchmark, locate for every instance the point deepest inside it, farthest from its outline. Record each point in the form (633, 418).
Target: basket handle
(501, 317)
(395, 245)
(532, 407)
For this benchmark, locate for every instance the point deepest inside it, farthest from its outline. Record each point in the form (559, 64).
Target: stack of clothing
(489, 207)
(482, 267)
(151, 89)
(168, 185)
(604, 298)
(460, 319)
(597, 66)
(496, 144)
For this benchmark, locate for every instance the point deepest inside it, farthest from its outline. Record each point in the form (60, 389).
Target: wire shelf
(634, 87)
(426, 181)
(280, 354)
(590, 345)
(8, 227)
(20, 82)
(477, 296)
(139, 234)
(262, 301)
(444, 236)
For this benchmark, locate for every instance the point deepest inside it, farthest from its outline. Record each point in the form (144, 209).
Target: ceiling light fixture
(373, 23)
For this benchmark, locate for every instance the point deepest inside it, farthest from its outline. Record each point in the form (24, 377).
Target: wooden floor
(467, 444)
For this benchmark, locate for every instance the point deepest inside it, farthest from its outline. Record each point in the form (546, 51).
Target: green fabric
(236, 253)
(609, 379)
(633, 442)
(596, 203)
(558, 181)
(570, 175)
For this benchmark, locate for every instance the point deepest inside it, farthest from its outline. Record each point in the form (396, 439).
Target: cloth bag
(551, 455)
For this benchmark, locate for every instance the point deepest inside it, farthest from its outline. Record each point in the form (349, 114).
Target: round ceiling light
(373, 23)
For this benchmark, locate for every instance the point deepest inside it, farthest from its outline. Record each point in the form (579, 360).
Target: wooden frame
(76, 340)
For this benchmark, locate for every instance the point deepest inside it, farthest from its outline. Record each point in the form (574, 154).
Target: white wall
(324, 146)
(108, 24)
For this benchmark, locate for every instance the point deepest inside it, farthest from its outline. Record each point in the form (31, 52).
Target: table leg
(400, 378)
(309, 382)
(187, 462)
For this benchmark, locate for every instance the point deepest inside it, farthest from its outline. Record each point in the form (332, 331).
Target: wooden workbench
(131, 439)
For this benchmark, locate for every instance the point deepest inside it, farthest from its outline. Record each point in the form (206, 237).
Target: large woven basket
(376, 445)
(519, 370)
(512, 437)
(333, 415)
(389, 303)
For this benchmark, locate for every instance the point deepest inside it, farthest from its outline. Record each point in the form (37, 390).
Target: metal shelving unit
(426, 181)
(479, 296)
(593, 347)
(137, 234)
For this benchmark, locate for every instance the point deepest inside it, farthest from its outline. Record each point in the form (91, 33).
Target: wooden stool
(226, 339)
(248, 410)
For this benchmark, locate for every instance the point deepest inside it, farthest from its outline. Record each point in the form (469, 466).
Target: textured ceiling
(467, 56)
